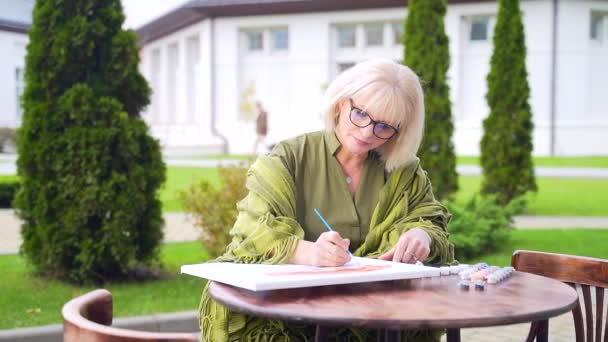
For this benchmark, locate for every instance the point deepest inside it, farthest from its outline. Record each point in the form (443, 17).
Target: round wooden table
(436, 302)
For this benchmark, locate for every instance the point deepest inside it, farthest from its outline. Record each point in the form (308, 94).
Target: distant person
(261, 127)
(362, 173)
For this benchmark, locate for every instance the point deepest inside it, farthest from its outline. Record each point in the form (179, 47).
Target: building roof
(197, 10)
(16, 16)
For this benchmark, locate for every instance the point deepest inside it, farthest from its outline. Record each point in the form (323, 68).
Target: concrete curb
(186, 321)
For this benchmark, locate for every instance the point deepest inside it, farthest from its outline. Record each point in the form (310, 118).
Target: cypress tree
(89, 169)
(427, 53)
(506, 145)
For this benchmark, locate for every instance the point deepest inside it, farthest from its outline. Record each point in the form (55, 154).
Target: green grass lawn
(8, 178)
(27, 300)
(30, 301)
(587, 161)
(584, 242)
(214, 156)
(591, 161)
(555, 196)
(180, 178)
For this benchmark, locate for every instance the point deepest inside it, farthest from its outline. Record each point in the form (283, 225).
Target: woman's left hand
(413, 245)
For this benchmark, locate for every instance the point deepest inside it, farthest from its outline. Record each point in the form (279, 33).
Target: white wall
(12, 57)
(179, 114)
(467, 75)
(470, 66)
(582, 88)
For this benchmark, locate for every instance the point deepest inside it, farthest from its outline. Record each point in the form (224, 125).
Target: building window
(397, 33)
(347, 36)
(343, 66)
(599, 26)
(255, 40)
(374, 34)
(479, 29)
(19, 84)
(280, 38)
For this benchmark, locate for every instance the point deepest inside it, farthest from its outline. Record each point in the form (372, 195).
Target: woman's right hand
(330, 249)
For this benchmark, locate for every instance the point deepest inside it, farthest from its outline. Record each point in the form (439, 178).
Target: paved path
(552, 222)
(561, 329)
(7, 167)
(548, 172)
(465, 170)
(178, 227)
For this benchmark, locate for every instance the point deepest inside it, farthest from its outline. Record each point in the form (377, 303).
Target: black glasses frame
(371, 121)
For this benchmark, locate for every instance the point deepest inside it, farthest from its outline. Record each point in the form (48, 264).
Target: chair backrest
(88, 318)
(573, 270)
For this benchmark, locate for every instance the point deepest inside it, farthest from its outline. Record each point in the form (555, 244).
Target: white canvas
(260, 277)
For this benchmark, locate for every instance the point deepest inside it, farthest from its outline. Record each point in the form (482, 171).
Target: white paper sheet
(260, 277)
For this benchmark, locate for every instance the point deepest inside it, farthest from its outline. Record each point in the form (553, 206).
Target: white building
(201, 60)
(15, 19)
(209, 60)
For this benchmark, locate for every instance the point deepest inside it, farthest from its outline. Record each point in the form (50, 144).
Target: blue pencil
(326, 224)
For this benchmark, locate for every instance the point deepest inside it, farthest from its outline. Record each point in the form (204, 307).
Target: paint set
(480, 274)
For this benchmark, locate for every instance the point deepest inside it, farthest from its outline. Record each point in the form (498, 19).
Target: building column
(162, 86)
(181, 78)
(204, 74)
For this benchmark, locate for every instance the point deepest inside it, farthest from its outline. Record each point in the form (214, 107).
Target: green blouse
(320, 183)
(301, 174)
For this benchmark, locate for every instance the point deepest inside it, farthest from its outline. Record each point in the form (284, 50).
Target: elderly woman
(363, 173)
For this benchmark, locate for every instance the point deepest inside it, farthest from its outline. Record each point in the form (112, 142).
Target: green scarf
(266, 232)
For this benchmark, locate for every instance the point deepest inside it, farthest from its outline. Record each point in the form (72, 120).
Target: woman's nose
(368, 131)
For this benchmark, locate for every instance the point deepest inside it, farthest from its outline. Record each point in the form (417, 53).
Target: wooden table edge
(216, 288)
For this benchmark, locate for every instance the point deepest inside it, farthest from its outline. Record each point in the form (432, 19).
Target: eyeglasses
(361, 119)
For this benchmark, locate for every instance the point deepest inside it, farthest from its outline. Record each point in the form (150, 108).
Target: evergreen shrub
(89, 170)
(427, 54)
(506, 145)
(213, 209)
(481, 226)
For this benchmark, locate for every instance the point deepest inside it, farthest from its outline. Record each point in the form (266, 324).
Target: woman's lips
(361, 142)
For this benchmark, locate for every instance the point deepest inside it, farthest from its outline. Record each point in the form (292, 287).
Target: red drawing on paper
(332, 270)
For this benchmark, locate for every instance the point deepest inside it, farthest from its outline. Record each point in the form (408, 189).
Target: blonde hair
(389, 90)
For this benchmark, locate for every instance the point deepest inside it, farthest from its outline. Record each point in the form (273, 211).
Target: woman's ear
(338, 108)
(343, 106)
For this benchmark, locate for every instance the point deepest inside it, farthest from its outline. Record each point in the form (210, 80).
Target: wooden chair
(88, 318)
(573, 270)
